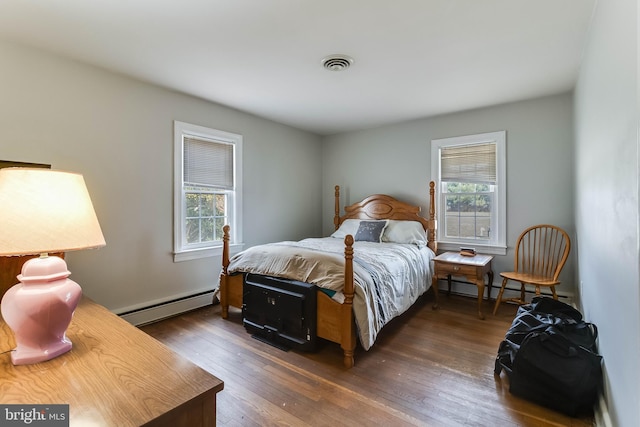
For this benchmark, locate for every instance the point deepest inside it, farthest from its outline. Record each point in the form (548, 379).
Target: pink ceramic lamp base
(39, 310)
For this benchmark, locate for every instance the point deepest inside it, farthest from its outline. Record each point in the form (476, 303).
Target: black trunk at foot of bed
(280, 312)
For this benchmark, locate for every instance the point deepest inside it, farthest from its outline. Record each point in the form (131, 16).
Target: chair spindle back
(542, 250)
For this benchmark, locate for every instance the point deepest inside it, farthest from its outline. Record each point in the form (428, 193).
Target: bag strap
(557, 343)
(590, 348)
(591, 332)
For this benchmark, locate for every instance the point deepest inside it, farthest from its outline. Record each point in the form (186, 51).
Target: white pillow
(405, 232)
(348, 226)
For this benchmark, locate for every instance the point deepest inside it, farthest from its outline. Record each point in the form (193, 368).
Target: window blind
(208, 163)
(469, 163)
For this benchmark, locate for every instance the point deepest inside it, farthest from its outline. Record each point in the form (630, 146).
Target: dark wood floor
(427, 368)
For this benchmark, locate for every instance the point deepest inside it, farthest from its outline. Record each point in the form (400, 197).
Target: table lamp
(42, 211)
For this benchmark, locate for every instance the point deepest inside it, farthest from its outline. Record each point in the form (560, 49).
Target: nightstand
(473, 268)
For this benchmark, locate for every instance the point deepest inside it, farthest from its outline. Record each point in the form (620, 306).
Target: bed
(347, 304)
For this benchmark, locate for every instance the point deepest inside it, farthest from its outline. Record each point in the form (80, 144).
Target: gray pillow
(370, 231)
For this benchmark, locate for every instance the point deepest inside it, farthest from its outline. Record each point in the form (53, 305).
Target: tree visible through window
(468, 210)
(206, 215)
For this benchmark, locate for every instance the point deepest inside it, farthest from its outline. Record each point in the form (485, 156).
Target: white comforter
(388, 277)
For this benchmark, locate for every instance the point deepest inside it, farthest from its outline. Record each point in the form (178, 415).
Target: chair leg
(522, 293)
(499, 297)
(553, 290)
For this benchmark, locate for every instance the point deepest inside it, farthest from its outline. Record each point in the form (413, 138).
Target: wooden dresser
(115, 375)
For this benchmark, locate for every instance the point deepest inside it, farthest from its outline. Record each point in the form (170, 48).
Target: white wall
(606, 188)
(396, 160)
(118, 133)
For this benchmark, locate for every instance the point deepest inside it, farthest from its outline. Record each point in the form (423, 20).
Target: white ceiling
(413, 58)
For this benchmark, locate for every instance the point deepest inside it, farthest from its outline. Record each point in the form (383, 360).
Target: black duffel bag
(547, 351)
(553, 371)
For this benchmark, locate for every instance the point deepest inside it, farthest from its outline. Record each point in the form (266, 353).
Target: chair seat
(539, 255)
(530, 278)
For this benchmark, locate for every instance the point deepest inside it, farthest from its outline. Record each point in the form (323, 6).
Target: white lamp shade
(43, 210)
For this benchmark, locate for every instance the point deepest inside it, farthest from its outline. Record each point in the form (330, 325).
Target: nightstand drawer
(447, 268)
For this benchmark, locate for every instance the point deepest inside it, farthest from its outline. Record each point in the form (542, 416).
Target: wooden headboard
(381, 206)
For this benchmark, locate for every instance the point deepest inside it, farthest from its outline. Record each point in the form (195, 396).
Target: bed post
(336, 216)
(433, 223)
(224, 285)
(348, 327)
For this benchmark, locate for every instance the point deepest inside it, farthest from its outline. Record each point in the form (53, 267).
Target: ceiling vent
(337, 62)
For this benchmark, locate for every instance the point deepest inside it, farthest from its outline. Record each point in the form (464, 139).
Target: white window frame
(182, 252)
(498, 243)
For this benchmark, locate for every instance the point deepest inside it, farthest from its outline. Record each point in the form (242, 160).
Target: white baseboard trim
(145, 315)
(601, 413)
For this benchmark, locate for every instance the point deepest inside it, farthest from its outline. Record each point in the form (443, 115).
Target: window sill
(205, 253)
(481, 249)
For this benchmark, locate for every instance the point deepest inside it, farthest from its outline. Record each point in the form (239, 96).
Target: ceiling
(413, 58)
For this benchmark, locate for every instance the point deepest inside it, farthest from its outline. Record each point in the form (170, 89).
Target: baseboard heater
(471, 291)
(164, 309)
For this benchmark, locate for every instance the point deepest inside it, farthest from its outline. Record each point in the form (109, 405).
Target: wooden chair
(541, 252)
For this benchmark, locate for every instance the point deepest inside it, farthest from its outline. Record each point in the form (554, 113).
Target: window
(471, 207)
(207, 190)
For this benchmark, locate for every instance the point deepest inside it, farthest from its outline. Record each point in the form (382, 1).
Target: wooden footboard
(335, 321)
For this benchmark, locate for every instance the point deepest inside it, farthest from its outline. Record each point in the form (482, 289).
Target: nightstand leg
(480, 284)
(490, 274)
